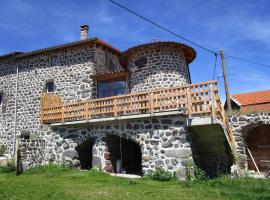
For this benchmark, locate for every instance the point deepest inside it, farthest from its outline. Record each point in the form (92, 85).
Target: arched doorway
(85, 153)
(258, 142)
(125, 155)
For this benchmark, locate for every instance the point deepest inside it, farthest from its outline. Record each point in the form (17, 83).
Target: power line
(183, 38)
(214, 73)
(248, 61)
(162, 27)
(246, 75)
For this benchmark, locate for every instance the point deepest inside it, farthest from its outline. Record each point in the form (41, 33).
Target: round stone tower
(158, 65)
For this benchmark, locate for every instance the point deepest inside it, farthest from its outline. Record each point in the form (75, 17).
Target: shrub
(200, 174)
(9, 167)
(2, 150)
(161, 175)
(194, 172)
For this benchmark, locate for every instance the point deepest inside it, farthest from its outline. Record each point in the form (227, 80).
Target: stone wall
(32, 152)
(157, 67)
(71, 70)
(164, 142)
(241, 125)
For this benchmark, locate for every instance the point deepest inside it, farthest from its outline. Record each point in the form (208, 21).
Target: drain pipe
(15, 113)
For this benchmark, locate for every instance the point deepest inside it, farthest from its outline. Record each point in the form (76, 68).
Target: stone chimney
(84, 32)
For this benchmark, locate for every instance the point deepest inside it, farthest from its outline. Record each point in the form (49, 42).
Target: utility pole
(225, 76)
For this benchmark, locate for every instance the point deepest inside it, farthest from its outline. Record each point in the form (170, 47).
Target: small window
(111, 88)
(50, 87)
(141, 62)
(1, 99)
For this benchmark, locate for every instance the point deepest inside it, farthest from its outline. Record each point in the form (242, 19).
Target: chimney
(84, 32)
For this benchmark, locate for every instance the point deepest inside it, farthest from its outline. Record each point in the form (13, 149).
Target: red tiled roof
(252, 98)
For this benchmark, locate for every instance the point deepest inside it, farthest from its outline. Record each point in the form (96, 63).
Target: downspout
(15, 117)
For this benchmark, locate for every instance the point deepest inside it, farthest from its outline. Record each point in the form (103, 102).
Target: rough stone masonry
(164, 141)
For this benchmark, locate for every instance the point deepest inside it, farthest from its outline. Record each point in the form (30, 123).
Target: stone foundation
(31, 152)
(164, 142)
(241, 125)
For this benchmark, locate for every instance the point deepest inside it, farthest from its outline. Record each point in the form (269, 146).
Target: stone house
(252, 101)
(88, 104)
(251, 129)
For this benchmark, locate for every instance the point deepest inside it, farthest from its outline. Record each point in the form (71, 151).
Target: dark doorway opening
(85, 154)
(258, 142)
(125, 155)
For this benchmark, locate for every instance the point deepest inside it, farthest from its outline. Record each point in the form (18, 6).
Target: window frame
(1, 98)
(47, 86)
(108, 82)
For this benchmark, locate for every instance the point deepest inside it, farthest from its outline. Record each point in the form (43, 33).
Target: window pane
(50, 87)
(113, 88)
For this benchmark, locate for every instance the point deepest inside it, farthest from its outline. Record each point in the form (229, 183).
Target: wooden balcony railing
(194, 99)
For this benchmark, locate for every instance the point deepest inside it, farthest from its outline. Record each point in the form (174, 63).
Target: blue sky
(241, 28)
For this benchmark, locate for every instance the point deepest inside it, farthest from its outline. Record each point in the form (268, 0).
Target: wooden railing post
(86, 113)
(213, 102)
(115, 107)
(63, 113)
(189, 103)
(151, 103)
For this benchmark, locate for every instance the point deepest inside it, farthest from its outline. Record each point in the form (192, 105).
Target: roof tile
(252, 98)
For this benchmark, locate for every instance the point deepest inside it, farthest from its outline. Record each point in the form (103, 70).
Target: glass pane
(113, 88)
(50, 87)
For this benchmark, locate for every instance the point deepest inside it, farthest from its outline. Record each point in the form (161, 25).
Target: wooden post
(115, 107)
(189, 103)
(213, 102)
(151, 103)
(225, 76)
(86, 113)
(253, 161)
(63, 119)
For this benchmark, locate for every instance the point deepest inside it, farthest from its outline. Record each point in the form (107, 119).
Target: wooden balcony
(200, 99)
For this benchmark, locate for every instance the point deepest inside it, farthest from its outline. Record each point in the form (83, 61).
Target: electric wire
(248, 61)
(215, 66)
(162, 27)
(183, 38)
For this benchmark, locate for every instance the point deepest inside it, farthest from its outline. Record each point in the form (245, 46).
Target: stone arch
(124, 154)
(242, 125)
(257, 145)
(85, 153)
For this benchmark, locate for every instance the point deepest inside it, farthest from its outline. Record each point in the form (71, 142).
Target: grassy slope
(56, 183)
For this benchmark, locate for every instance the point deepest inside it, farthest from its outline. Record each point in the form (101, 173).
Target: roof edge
(61, 46)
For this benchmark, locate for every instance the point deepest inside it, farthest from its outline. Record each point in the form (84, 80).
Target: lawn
(52, 182)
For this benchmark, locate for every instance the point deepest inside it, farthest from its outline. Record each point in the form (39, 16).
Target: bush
(161, 175)
(195, 173)
(2, 150)
(9, 167)
(200, 174)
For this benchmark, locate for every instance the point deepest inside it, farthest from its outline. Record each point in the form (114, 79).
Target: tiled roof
(252, 98)
(189, 52)
(90, 40)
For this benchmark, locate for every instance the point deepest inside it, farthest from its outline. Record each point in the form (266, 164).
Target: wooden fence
(194, 99)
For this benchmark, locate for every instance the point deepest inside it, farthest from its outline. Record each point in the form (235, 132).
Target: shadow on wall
(258, 143)
(85, 154)
(125, 155)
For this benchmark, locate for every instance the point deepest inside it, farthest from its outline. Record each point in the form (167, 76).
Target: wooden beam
(253, 161)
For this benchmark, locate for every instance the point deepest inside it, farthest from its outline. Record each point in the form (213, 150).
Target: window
(111, 88)
(1, 99)
(141, 62)
(50, 87)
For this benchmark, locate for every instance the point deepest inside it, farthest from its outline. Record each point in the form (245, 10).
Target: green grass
(51, 182)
